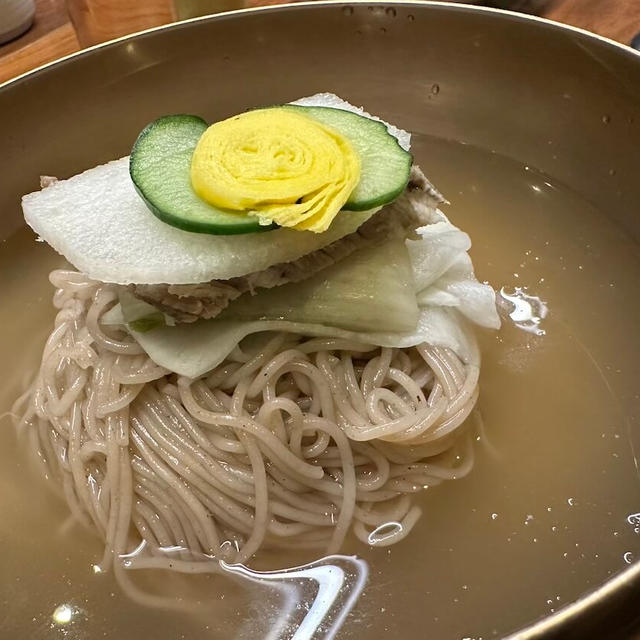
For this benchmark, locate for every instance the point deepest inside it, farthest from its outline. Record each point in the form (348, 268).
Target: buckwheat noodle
(290, 446)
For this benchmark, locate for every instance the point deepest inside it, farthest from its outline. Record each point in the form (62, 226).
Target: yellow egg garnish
(278, 165)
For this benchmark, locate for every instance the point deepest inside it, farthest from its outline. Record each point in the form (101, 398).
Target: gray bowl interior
(558, 99)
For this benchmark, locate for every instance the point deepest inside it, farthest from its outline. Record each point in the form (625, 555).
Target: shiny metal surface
(561, 100)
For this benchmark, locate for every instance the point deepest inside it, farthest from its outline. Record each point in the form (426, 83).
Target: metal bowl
(505, 82)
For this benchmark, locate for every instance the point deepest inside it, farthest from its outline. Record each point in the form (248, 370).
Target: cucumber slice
(159, 167)
(385, 165)
(161, 158)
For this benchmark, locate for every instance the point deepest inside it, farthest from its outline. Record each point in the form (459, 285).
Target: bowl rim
(452, 6)
(619, 593)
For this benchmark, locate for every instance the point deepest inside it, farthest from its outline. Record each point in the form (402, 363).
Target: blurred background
(34, 32)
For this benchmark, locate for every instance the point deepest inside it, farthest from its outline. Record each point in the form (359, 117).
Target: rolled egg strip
(280, 166)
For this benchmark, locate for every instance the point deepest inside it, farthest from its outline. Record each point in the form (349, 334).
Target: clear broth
(543, 517)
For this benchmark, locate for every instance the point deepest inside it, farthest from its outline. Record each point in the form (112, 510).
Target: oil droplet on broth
(63, 614)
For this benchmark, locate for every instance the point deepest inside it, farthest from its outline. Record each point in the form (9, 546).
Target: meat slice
(189, 302)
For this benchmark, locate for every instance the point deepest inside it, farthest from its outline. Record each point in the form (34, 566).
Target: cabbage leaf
(449, 298)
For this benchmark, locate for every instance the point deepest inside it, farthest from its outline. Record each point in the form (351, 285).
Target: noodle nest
(289, 443)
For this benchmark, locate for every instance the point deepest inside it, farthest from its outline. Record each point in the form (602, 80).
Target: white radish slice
(99, 223)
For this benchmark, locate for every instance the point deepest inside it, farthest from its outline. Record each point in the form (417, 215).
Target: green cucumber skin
(224, 222)
(356, 202)
(372, 203)
(141, 151)
(196, 226)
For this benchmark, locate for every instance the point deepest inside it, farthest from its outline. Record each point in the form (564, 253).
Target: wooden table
(62, 27)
